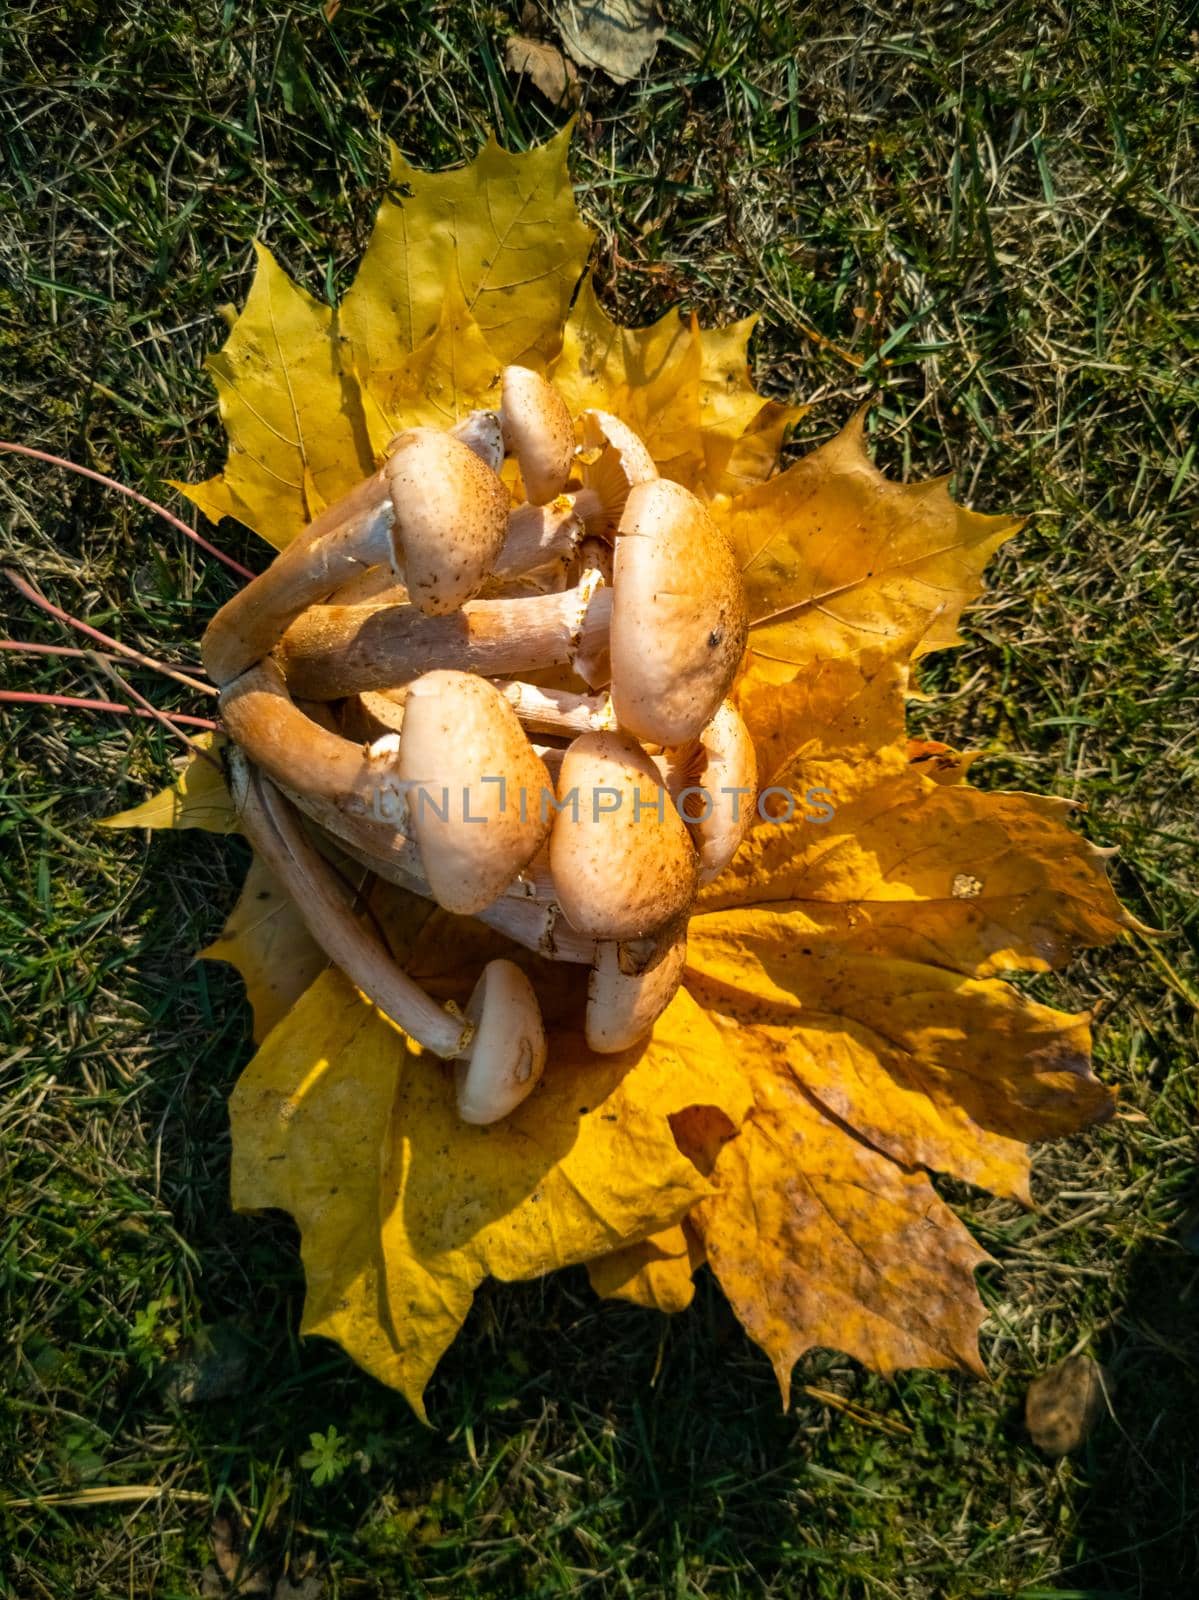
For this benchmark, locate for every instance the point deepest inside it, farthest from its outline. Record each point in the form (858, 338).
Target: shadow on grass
(1139, 1522)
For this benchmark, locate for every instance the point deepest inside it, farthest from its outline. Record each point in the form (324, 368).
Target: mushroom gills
(504, 1061)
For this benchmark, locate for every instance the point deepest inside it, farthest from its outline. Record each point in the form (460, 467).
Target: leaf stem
(151, 710)
(111, 483)
(79, 702)
(52, 610)
(27, 647)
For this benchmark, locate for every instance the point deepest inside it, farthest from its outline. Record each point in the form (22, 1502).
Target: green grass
(991, 208)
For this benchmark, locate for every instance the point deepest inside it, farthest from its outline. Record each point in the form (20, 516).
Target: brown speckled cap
(621, 858)
(451, 517)
(679, 623)
(466, 757)
(538, 432)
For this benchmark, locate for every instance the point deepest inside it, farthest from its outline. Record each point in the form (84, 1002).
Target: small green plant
(328, 1458)
(150, 1342)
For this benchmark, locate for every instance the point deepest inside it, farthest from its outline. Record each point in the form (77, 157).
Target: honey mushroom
(633, 979)
(430, 802)
(434, 513)
(542, 537)
(499, 1045)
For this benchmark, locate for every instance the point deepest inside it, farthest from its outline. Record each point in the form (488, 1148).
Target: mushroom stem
(273, 829)
(259, 715)
(333, 651)
(344, 539)
(558, 711)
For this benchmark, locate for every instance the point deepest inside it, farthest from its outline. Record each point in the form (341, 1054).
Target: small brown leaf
(552, 74)
(1064, 1404)
(243, 1578)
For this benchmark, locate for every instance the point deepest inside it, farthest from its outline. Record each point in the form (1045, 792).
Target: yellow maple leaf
(843, 1030)
(450, 372)
(198, 798)
(837, 558)
(817, 1239)
(504, 231)
(686, 391)
(291, 410)
(268, 942)
(657, 1273)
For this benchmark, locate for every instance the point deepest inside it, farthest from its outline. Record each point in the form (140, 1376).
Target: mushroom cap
(625, 999)
(679, 622)
(506, 1056)
(621, 858)
(451, 516)
(538, 431)
(725, 763)
(467, 763)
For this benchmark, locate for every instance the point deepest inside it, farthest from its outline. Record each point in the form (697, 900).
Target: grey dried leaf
(617, 36)
(546, 66)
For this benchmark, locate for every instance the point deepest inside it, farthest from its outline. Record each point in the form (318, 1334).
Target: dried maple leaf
(843, 1030)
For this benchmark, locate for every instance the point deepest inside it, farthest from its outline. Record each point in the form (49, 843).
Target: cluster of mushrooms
(375, 678)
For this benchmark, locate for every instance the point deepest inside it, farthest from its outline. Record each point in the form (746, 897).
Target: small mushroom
(630, 986)
(613, 461)
(506, 1056)
(538, 431)
(434, 512)
(714, 782)
(474, 787)
(679, 624)
(620, 856)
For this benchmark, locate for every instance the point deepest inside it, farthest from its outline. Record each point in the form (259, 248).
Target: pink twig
(111, 483)
(152, 710)
(48, 606)
(77, 702)
(26, 647)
